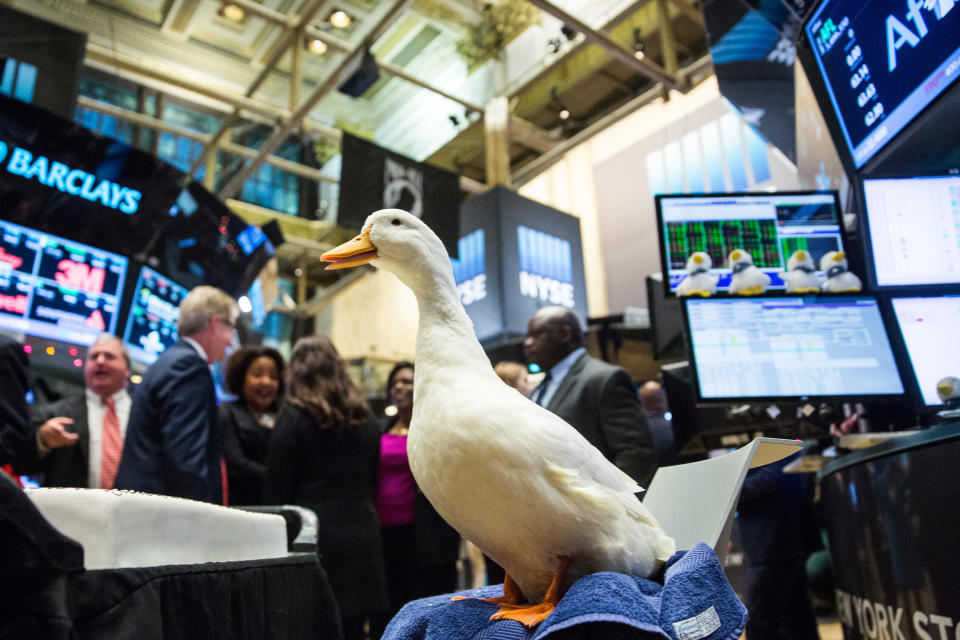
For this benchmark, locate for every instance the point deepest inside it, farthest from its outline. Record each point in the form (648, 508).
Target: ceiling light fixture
(317, 46)
(568, 33)
(553, 45)
(231, 12)
(564, 114)
(340, 19)
(639, 46)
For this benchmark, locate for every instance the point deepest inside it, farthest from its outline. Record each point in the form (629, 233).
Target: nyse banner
(516, 256)
(373, 178)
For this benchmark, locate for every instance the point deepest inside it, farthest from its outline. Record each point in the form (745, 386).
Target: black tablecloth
(279, 598)
(45, 593)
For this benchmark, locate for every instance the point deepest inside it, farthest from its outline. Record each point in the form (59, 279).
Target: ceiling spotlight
(232, 12)
(554, 45)
(317, 46)
(564, 114)
(454, 120)
(340, 19)
(568, 33)
(639, 46)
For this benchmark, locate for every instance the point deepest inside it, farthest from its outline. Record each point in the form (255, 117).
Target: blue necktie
(541, 390)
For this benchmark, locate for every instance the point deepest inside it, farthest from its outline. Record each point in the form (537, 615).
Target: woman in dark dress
(324, 456)
(255, 376)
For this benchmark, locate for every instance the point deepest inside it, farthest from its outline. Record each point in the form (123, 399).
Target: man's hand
(54, 435)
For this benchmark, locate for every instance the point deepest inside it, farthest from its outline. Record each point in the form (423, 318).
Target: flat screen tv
(879, 63)
(790, 348)
(204, 242)
(913, 226)
(928, 326)
(152, 320)
(771, 226)
(56, 288)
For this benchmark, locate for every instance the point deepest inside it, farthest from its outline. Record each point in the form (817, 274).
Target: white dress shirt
(558, 373)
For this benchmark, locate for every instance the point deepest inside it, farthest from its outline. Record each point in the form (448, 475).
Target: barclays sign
(74, 182)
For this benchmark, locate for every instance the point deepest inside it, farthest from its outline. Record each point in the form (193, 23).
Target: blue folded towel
(695, 601)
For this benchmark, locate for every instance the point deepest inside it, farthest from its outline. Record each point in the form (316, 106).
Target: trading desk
(893, 523)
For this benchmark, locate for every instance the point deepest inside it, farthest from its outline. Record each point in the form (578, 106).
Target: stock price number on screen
(866, 94)
(859, 76)
(854, 56)
(874, 114)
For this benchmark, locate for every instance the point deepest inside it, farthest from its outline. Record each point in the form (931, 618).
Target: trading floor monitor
(790, 348)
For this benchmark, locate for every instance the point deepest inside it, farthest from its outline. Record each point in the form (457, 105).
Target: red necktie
(112, 445)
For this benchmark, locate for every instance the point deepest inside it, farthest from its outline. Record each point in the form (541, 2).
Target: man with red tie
(80, 438)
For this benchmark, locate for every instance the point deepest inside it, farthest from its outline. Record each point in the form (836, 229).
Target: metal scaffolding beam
(283, 130)
(645, 67)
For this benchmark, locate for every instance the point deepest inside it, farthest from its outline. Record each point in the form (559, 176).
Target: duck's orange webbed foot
(533, 614)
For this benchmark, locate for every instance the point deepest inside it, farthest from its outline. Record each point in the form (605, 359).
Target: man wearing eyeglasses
(172, 445)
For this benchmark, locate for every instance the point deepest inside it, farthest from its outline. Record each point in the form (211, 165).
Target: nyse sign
(546, 267)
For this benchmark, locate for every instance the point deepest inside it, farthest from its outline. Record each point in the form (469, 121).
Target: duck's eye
(395, 222)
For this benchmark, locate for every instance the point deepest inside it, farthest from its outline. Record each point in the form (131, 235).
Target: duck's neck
(445, 334)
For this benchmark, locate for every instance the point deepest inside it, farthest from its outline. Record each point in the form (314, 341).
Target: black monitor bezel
(664, 266)
(691, 356)
(808, 63)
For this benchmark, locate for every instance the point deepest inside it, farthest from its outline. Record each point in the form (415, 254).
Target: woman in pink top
(420, 549)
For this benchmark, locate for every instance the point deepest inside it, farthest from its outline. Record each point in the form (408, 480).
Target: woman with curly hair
(255, 376)
(323, 456)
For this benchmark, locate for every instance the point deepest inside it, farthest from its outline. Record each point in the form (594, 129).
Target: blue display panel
(914, 230)
(770, 226)
(882, 62)
(57, 288)
(152, 321)
(929, 328)
(790, 348)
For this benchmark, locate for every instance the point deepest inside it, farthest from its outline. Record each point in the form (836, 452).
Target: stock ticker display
(56, 288)
(152, 321)
(882, 62)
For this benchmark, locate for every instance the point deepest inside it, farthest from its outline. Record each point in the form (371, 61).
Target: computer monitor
(56, 288)
(152, 320)
(913, 226)
(928, 326)
(790, 348)
(878, 64)
(771, 226)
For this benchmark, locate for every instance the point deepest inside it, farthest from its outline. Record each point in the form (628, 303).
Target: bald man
(594, 397)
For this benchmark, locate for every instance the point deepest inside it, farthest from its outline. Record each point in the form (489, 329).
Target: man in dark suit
(173, 444)
(596, 398)
(79, 438)
(15, 431)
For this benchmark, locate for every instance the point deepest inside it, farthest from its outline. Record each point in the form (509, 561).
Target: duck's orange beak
(351, 253)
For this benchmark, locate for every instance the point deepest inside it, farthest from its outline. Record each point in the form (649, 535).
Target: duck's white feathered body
(510, 476)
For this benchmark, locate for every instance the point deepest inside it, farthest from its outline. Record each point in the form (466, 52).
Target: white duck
(746, 278)
(801, 276)
(699, 281)
(510, 476)
(839, 278)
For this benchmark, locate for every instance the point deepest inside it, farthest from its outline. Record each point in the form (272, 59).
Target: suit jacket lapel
(568, 381)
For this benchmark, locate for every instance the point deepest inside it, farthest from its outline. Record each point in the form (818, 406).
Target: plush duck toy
(511, 477)
(746, 279)
(698, 281)
(839, 279)
(801, 276)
